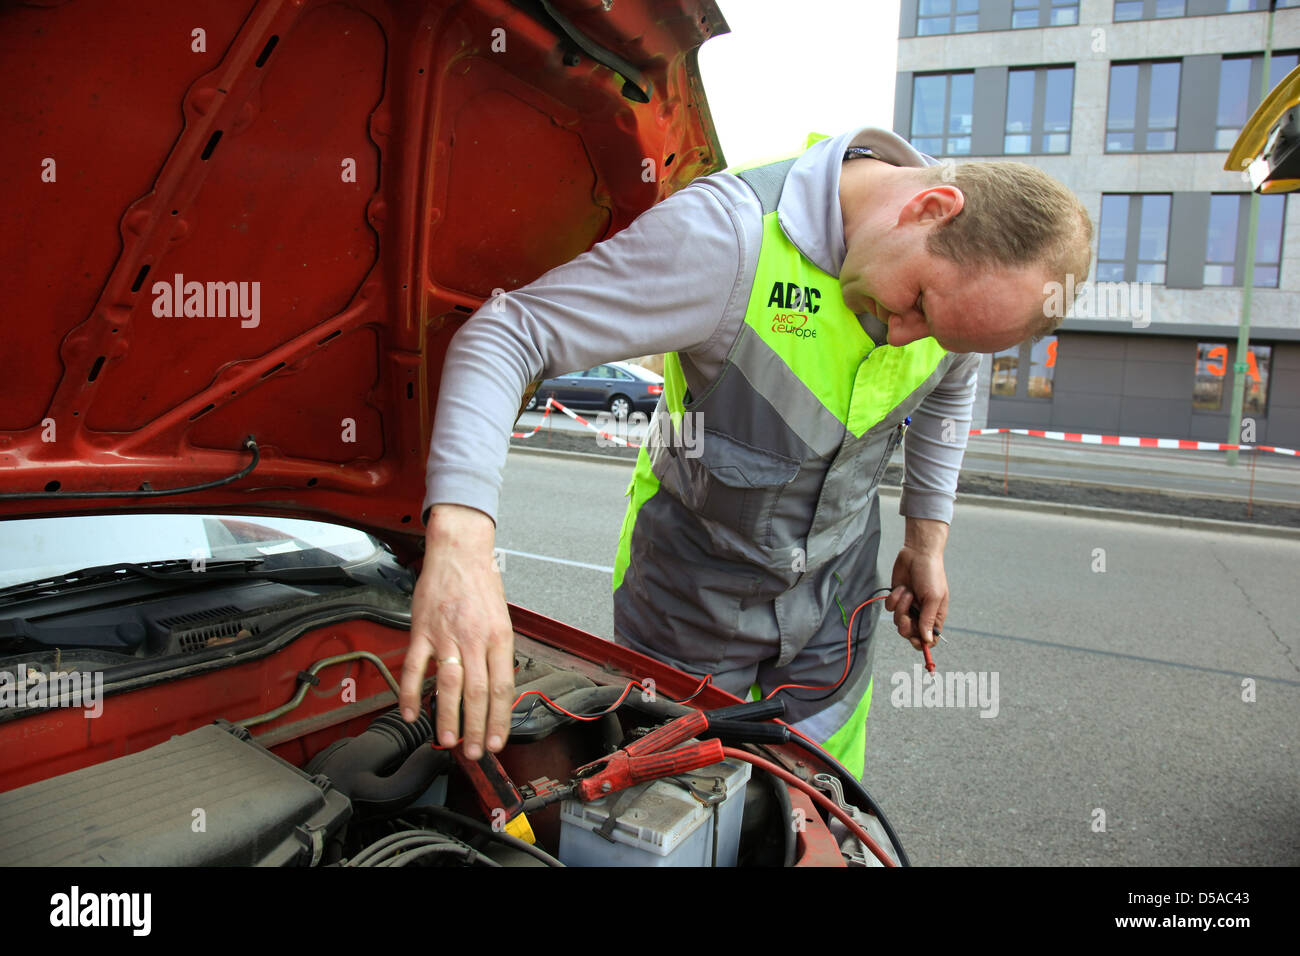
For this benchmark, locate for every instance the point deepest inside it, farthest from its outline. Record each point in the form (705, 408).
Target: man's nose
(903, 330)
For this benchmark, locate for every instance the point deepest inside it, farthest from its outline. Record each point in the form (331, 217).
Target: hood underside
(266, 221)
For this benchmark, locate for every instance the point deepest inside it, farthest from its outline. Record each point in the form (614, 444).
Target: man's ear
(933, 204)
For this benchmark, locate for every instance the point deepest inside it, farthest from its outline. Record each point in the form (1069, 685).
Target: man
(772, 291)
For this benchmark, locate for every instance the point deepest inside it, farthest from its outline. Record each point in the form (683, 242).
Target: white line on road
(543, 557)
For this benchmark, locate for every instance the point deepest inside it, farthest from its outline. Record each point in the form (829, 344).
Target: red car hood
(267, 220)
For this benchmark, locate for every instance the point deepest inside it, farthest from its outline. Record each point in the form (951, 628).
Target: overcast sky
(791, 67)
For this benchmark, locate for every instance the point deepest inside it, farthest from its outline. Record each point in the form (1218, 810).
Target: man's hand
(459, 617)
(919, 578)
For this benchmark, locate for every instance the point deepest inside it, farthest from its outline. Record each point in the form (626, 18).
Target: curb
(576, 455)
(977, 469)
(1018, 504)
(1120, 514)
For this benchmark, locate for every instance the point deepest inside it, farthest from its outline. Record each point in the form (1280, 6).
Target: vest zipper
(894, 439)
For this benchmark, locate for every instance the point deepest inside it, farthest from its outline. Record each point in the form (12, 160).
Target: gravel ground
(1031, 489)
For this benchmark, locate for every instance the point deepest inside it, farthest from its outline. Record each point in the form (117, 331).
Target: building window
(1043, 13)
(1039, 357)
(1210, 393)
(1133, 241)
(1149, 9)
(1006, 371)
(1225, 247)
(1211, 364)
(1042, 365)
(1157, 9)
(947, 16)
(1142, 115)
(942, 108)
(1239, 91)
(1039, 102)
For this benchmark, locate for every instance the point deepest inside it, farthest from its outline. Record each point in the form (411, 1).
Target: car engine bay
(599, 770)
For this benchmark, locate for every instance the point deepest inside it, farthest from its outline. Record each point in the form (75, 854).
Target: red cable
(817, 797)
(848, 656)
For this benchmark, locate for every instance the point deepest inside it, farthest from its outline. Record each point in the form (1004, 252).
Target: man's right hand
(459, 618)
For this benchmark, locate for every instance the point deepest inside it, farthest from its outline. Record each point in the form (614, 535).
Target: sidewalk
(1276, 478)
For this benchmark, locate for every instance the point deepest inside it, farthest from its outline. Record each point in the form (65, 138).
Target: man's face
(890, 274)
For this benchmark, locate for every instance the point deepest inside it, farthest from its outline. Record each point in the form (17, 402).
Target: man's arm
(662, 284)
(936, 443)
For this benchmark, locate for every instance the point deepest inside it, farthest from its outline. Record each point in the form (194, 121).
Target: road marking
(572, 564)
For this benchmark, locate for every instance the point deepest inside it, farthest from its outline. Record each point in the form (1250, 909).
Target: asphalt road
(1118, 690)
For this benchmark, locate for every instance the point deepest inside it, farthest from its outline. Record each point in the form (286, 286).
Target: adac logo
(799, 302)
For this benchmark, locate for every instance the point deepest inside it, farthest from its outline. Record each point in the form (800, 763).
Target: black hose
(353, 766)
(787, 815)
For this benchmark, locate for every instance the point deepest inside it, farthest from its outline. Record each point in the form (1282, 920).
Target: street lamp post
(1235, 424)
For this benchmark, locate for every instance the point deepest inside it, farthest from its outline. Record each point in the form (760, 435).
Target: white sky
(791, 67)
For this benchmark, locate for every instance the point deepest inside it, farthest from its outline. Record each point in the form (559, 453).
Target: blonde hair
(1014, 215)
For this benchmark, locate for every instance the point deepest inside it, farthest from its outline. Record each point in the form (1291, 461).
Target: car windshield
(36, 548)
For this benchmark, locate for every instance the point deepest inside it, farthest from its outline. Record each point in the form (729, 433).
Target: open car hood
(244, 235)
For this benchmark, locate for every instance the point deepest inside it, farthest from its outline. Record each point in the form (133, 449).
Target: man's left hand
(919, 578)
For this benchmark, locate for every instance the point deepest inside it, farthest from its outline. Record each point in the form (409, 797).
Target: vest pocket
(736, 484)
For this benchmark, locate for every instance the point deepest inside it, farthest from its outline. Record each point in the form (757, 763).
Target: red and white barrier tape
(577, 418)
(1121, 440)
(1128, 442)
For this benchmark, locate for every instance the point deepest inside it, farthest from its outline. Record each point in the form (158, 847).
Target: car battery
(690, 820)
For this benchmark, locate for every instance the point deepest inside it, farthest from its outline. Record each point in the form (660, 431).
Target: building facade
(1133, 104)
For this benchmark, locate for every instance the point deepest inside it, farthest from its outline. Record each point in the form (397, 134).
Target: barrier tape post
(1006, 460)
(1250, 502)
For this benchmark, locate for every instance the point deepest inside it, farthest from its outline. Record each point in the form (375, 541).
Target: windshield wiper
(175, 571)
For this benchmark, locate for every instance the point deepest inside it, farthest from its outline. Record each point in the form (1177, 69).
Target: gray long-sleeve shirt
(676, 279)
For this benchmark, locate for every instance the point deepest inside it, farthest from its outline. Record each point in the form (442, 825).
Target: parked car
(619, 387)
(236, 275)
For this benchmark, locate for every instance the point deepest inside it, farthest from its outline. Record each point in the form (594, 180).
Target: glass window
(1039, 104)
(1042, 365)
(1142, 113)
(1239, 95)
(1221, 244)
(1121, 112)
(1020, 111)
(1005, 371)
(1255, 399)
(1057, 110)
(946, 16)
(1268, 240)
(1123, 256)
(1153, 239)
(1149, 9)
(1211, 367)
(1214, 375)
(1113, 238)
(1225, 243)
(1065, 13)
(1026, 14)
(942, 113)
